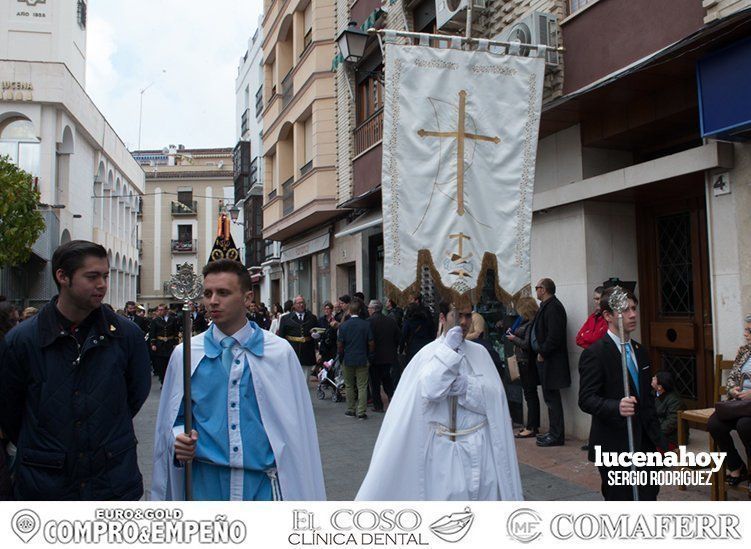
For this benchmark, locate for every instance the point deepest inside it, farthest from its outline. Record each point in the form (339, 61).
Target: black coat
(199, 324)
(70, 412)
(550, 328)
(600, 394)
(327, 342)
(141, 322)
(259, 318)
(298, 335)
(160, 330)
(386, 336)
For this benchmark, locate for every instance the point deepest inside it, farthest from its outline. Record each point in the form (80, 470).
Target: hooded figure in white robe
(285, 408)
(416, 459)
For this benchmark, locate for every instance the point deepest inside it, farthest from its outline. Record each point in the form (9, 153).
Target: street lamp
(140, 108)
(234, 213)
(351, 42)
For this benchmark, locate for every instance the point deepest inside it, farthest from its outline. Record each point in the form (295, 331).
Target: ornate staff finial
(618, 300)
(185, 285)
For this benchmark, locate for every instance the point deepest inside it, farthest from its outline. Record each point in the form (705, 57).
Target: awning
(372, 219)
(314, 244)
(369, 23)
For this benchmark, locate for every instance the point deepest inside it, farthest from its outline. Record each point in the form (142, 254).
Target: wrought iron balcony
(183, 208)
(259, 101)
(184, 246)
(244, 124)
(287, 89)
(288, 197)
(306, 168)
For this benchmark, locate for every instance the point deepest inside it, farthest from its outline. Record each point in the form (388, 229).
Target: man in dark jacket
(163, 337)
(255, 315)
(601, 394)
(131, 311)
(386, 336)
(550, 351)
(71, 380)
(295, 328)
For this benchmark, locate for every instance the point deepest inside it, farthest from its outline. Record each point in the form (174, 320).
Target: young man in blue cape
(254, 435)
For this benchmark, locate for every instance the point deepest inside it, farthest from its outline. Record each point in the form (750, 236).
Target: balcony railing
(306, 168)
(140, 206)
(307, 41)
(244, 125)
(253, 173)
(139, 245)
(288, 197)
(287, 89)
(369, 132)
(185, 208)
(184, 246)
(259, 101)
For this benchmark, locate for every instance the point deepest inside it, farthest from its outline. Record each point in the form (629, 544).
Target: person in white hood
(419, 454)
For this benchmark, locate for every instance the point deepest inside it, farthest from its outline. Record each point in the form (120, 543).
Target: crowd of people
(74, 373)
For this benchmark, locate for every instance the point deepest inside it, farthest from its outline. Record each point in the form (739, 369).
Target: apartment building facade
(299, 146)
(186, 191)
(261, 255)
(633, 164)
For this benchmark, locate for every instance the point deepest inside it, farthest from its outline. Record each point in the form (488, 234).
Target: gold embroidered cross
(460, 135)
(459, 257)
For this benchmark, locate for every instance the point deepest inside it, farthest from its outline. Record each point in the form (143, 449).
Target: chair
(699, 419)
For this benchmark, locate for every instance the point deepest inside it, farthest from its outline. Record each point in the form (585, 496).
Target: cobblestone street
(346, 445)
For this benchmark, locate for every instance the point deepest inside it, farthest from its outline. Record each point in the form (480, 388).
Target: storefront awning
(373, 219)
(316, 243)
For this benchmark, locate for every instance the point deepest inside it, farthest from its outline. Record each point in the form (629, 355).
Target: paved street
(561, 473)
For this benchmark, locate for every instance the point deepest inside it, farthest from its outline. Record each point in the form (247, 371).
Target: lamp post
(351, 42)
(140, 108)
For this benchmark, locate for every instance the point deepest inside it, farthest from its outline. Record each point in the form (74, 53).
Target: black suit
(164, 335)
(386, 338)
(549, 333)
(297, 332)
(600, 394)
(141, 322)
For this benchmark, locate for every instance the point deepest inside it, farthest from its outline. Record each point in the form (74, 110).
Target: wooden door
(676, 314)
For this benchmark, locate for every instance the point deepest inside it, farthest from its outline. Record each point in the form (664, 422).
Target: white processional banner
(459, 148)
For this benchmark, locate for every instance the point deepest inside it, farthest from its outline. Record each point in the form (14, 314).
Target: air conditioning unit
(451, 15)
(535, 28)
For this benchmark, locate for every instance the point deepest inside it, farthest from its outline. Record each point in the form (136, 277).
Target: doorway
(676, 314)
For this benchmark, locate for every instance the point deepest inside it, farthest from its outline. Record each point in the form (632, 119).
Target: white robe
(412, 462)
(286, 412)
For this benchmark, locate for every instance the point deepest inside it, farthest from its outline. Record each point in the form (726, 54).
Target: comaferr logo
(524, 525)
(32, 3)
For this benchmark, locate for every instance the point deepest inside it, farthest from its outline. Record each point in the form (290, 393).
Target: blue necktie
(227, 344)
(633, 370)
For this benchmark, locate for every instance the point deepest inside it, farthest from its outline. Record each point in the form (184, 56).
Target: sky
(198, 43)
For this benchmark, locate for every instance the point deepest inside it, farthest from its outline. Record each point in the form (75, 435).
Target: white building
(89, 182)
(261, 256)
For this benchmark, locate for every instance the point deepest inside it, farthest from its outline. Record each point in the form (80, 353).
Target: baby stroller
(330, 377)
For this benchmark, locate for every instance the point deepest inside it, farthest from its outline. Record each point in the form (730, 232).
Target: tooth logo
(25, 524)
(453, 527)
